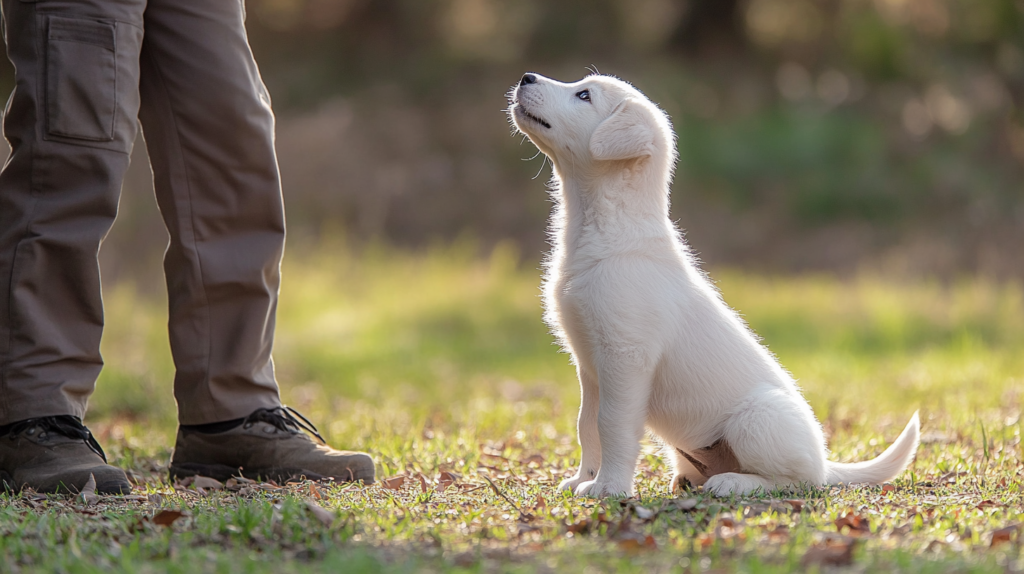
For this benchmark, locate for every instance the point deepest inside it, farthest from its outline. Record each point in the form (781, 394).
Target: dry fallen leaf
(537, 459)
(326, 517)
(167, 517)
(833, 551)
(887, 487)
(797, 504)
(237, 483)
(393, 483)
(855, 524)
(207, 483)
(540, 504)
(1003, 535)
(633, 542)
(87, 495)
(446, 479)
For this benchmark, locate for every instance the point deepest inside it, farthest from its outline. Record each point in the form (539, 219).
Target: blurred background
(850, 171)
(814, 134)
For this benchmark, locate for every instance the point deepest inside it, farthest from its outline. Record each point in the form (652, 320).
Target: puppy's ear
(626, 134)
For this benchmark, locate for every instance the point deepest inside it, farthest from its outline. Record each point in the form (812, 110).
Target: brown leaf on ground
(536, 459)
(494, 456)
(394, 483)
(833, 551)
(207, 483)
(446, 479)
(167, 517)
(887, 487)
(855, 524)
(1004, 535)
(237, 483)
(797, 504)
(540, 504)
(989, 504)
(632, 542)
(326, 517)
(87, 495)
(423, 482)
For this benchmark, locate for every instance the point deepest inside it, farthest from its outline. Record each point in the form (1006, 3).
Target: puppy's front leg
(620, 423)
(586, 428)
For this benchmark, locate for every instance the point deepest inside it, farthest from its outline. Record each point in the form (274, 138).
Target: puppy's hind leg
(736, 483)
(684, 474)
(777, 442)
(586, 428)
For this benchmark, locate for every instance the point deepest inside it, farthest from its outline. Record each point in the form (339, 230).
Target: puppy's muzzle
(522, 99)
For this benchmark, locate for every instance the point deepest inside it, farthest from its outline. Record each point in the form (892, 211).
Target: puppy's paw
(602, 489)
(682, 482)
(733, 483)
(570, 484)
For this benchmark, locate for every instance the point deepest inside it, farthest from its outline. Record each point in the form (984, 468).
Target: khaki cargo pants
(87, 71)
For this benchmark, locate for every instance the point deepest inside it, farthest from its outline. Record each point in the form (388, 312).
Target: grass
(439, 365)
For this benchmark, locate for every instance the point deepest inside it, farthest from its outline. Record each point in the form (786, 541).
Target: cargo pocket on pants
(81, 79)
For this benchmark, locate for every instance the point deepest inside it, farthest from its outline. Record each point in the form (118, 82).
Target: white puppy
(653, 342)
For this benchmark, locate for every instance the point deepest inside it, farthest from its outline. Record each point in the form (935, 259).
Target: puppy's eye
(584, 95)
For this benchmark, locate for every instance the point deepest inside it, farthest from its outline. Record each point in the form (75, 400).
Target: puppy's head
(592, 122)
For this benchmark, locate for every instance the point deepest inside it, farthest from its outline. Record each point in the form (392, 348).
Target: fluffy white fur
(653, 342)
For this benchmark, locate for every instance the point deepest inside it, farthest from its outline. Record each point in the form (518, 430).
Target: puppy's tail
(883, 468)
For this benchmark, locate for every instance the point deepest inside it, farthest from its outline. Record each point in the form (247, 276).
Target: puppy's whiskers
(543, 162)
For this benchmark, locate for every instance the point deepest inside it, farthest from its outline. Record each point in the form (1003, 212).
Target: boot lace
(66, 425)
(284, 418)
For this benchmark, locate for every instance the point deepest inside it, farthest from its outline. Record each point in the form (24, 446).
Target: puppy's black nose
(528, 79)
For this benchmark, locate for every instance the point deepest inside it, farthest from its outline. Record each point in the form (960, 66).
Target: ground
(438, 364)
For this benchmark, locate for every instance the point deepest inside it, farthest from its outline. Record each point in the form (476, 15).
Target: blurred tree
(899, 117)
(712, 29)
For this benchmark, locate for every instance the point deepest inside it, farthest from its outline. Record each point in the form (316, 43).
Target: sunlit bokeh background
(850, 170)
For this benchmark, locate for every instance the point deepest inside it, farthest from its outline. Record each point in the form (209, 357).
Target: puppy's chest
(570, 296)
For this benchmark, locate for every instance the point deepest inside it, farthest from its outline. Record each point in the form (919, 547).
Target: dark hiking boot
(55, 455)
(267, 445)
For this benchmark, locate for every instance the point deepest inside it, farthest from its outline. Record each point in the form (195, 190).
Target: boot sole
(108, 487)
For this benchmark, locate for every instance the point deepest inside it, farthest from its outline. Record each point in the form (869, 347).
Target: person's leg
(71, 122)
(210, 133)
